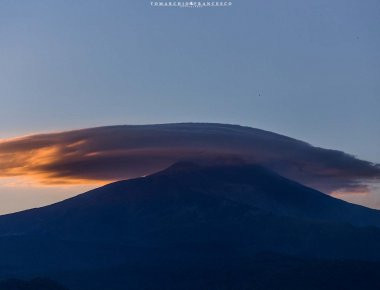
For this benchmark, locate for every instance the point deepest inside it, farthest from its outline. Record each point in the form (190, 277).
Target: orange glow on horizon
(28, 167)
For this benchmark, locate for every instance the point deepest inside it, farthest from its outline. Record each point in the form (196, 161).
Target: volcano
(192, 226)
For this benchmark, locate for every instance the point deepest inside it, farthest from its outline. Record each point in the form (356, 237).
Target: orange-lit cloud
(103, 154)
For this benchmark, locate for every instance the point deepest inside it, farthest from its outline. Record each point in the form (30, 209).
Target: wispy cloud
(121, 152)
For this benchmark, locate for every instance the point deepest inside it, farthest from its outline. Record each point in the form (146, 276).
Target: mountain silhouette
(227, 225)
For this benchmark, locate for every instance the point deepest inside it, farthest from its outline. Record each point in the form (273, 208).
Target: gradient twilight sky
(305, 69)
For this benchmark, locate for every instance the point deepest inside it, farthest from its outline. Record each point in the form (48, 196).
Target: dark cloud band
(119, 152)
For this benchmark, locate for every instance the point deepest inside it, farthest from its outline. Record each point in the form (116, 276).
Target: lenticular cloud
(122, 152)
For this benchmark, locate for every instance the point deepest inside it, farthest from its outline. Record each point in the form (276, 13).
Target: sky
(305, 69)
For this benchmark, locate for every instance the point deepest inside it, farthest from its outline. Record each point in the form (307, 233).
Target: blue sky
(306, 69)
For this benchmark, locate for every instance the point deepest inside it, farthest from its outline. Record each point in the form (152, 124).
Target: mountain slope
(243, 185)
(189, 216)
